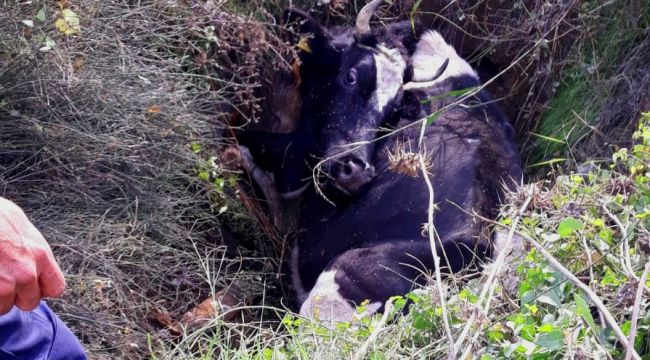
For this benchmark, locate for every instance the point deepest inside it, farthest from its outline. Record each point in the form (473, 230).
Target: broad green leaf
(568, 226)
(553, 340)
(582, 309)
(550, 298)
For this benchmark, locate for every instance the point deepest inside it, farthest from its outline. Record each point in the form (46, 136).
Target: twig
(591, 267)
(625, 246)
(635, 311)
(609, 319)
(373, 336)
(436, 259)
(625, 249)
(488, 289)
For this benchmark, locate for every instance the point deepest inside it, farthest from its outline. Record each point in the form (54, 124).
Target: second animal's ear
(306, 34)
(410, 105)
(407, 33)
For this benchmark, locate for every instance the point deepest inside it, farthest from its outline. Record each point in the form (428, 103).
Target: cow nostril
(358, 163)
(347, 169)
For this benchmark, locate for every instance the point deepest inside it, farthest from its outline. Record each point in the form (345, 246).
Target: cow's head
(353, 81)
(351, 78)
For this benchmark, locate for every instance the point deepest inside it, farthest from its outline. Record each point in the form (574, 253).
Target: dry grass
(95, 141)
(103, 139)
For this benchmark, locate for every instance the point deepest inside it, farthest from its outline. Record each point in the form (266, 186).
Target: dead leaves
(225, 305)
(68, 22)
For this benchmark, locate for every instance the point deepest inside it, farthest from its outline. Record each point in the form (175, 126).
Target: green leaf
(582, 309)
(204, 175)
(568, 226)
(553, 340)
(611, 278)
(550, 298)
(40, 15)
(548, 138)
(548, 162)
(532, 308)
(433, 117)
(546, 328)
(196, 147)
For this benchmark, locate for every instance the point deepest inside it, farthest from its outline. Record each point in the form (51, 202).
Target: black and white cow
(370, 245)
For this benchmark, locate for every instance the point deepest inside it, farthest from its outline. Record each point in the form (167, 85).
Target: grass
(96, 135)
(110, 138)
(582, 105)
(594, 224)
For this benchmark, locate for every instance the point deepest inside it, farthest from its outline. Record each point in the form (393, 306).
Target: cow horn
(363, 19)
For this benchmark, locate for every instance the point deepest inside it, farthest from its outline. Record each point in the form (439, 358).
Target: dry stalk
(591, 268)
(635, 311)
(436, 259)
(488, 289)
(626, 262)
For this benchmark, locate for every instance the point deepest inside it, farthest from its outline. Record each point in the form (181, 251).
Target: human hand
(28, 271)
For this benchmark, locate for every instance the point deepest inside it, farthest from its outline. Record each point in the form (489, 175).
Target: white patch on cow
(326, 304)
(390, 66)
(296, 282)
(430, 55)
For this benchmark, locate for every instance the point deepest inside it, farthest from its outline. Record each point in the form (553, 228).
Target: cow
(361, 221)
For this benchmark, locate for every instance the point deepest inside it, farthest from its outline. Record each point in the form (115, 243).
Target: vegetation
(602, 88)
(113, 120)
(594, 223)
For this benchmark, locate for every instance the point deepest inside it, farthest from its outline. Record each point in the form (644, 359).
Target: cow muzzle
(350, 173)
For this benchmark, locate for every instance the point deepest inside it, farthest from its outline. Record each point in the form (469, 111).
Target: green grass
(609, 35)
(597, 225)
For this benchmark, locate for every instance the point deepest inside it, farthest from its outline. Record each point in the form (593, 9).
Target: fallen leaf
(68, 23)
(153, 109)
(163, 318)
(220, 304)
(40, 15)
(79, 62)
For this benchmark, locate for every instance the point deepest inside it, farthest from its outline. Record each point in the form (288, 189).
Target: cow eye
(351, 77)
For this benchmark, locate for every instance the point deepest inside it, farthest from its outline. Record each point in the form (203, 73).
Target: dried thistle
(403, 160)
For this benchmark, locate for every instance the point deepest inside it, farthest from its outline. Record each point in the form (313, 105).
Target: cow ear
(406, 33)
(306, 33)
(410, 105)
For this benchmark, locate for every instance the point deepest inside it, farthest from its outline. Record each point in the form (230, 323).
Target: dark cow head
(351, 82)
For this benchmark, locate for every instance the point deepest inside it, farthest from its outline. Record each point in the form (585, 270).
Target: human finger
(50, 277)
(7, 297)
(28, 294)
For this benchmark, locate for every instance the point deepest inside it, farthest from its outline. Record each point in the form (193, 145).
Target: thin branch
(590, 264)
(635, 311)
(489, 287)
(625, 246)
(436, 259)
(625, 249)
